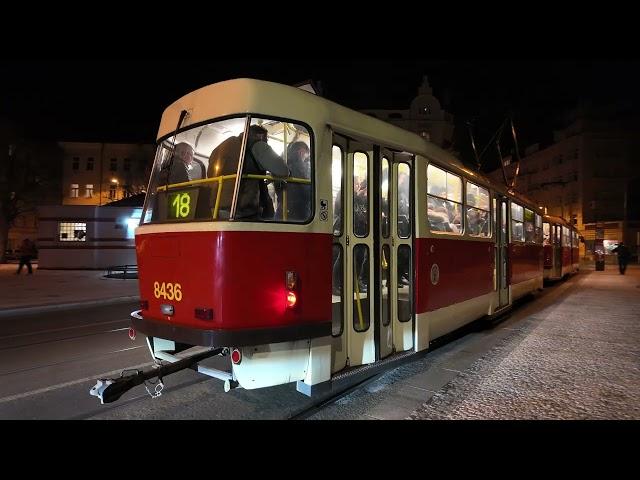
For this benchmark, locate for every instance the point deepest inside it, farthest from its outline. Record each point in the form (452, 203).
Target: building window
(75, 165)
(113, 165)
(112, 191)
(73, 232)
(89, 163)
(74, 190)
(126, 166)
(426, 110)
(88, 193)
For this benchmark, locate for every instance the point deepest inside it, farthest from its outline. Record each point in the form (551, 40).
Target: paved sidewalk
(50, 289)
(579, 359)
(572, 354)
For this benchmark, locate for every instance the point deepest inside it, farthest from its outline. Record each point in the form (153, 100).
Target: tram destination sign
(181, 204)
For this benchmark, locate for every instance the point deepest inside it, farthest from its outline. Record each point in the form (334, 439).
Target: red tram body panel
(465, 269)
(525, 262)
(220, 270)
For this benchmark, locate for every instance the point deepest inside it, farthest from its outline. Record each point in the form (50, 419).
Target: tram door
(557, 251)
(502, 249)
(354, 244)
(383, 273)
(401, 267)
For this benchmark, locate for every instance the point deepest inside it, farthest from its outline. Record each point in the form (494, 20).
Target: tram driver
(184, 167)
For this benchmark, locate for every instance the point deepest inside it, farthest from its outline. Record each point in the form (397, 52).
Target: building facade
(589, 175)
(425, 116)
(99, 173)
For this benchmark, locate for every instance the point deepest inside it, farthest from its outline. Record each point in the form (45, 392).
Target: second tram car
(561, 247)
(377, 242)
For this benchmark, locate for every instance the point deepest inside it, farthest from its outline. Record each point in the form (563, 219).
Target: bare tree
(30, 175)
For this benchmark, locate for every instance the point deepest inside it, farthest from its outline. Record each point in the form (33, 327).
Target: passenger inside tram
(444, 216)
(477, 222)
(298, 195)
(254, 201)
(182, 166)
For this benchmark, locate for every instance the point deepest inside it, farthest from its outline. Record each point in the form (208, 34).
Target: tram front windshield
(198, 174)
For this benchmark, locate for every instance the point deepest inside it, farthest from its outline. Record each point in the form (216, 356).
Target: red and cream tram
(396, 243)
(561, 248)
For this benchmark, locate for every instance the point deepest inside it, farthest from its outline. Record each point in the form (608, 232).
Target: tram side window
(282, 150)
(444, 201)
(477, 211)
(529, 231)
(384, 196)
(517, 224)
(538, 229)
(404, 203)
(546, 234)
(336, 188)
(360, 194)
(565, 237)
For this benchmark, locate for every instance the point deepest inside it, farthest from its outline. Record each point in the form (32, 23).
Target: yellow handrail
(196, 182)
(360, 319)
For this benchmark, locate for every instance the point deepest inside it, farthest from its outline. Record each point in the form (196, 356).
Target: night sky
(122, 100)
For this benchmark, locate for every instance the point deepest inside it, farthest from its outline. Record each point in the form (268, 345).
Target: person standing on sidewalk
(623, 256)
(27, 252)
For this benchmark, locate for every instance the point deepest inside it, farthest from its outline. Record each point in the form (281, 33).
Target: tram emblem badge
(435, 274)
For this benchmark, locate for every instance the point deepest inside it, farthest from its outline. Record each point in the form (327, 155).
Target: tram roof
(245, 95)
(249, 96)
(558, 220)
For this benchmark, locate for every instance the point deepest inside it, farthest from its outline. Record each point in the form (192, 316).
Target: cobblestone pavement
(576, 359)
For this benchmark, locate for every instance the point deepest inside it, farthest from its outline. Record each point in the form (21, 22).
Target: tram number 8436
(167, 291)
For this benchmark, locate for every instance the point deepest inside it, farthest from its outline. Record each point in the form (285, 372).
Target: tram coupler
(110, 390)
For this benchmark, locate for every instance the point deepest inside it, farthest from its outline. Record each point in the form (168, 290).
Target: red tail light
(291, 299)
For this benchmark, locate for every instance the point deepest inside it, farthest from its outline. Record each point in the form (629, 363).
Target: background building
(589, 175)
(425, 116)
(99, 173)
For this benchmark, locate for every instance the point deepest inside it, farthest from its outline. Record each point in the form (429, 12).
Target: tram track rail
(63, 339)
